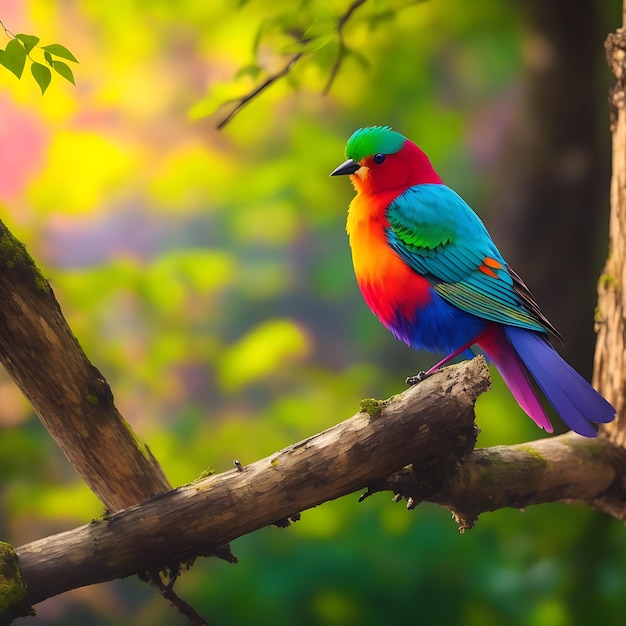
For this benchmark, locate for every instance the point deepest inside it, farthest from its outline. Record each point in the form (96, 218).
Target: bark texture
(431, 424)
(70, 396)
(609, 370)
(564, 468)
(429, 427)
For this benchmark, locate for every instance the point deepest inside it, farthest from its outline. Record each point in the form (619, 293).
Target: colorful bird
(431, 273)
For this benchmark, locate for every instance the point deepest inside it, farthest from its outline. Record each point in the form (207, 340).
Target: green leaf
(314, 38)
(48, 57)
(253, 70)
(60, 51)
(42, 75)
(266, 25)
(306, 45)
(375, 20)
(14, 57)
(321, 27)
(64, 70)
(29, 41)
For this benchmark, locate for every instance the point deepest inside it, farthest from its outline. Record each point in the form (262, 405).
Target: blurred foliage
(208, 276)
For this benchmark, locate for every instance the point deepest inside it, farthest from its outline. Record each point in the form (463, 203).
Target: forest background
(208, 275)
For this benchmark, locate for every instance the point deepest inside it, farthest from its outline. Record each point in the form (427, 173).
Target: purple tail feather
(515, 375)
(576, 402)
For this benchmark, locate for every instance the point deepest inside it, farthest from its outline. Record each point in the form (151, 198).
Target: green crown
(373, 140)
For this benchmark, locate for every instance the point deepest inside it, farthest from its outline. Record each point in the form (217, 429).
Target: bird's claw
(418, 378)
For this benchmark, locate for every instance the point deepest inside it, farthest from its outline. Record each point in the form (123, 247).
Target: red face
(394, 172)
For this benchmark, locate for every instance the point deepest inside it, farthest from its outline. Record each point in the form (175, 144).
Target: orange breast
(389, 286)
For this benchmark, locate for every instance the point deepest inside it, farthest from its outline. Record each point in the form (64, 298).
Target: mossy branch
(70, 396)
(564, 468)
(418, 444)
(13, 593)
(431, 422)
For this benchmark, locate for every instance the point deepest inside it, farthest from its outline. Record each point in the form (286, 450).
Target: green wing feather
(441, 238)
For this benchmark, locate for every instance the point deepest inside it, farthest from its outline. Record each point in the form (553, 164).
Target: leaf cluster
(20, 47)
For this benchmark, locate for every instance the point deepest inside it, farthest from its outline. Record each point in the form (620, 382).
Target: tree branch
(70, 396)
(342, 44)
(432, 422)
(564, 468)
(270, 80)
(429, 425)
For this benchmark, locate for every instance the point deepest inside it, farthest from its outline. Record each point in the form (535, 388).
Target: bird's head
(380, 159)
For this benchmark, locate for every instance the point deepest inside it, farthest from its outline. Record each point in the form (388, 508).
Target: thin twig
(184, 608)
(262, 87)
(342, 45)
(7, 32)
(341, 22)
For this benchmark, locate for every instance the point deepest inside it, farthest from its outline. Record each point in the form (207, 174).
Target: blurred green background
(207, 274)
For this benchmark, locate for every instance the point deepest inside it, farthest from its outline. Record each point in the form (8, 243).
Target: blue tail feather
(576, 402)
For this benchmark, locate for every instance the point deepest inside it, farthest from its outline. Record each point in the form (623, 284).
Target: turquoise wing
(438, 235)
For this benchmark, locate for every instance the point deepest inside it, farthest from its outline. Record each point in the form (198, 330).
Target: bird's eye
(379, 158)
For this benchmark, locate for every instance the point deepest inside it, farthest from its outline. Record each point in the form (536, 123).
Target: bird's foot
(419, 377)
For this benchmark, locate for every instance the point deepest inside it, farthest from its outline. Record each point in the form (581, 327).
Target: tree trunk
(552, 181)
(610, 370)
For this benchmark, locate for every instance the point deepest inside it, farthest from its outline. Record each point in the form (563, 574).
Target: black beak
(349, 167)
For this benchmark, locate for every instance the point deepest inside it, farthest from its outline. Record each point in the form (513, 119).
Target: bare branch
(7, 32)
(342, 44)
(260, 89)
(341, 22)
(166, 590)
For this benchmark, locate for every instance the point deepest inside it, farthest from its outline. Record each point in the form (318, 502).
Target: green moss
(92, 399)
(608, 281)
(12, 251)
(587, 447)
(209, 471)
(495, 469)
(371, 406)
(598, 318)
(541, 460)
(13, 592)
(13, 254)
(595, 448)
(41, 284)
